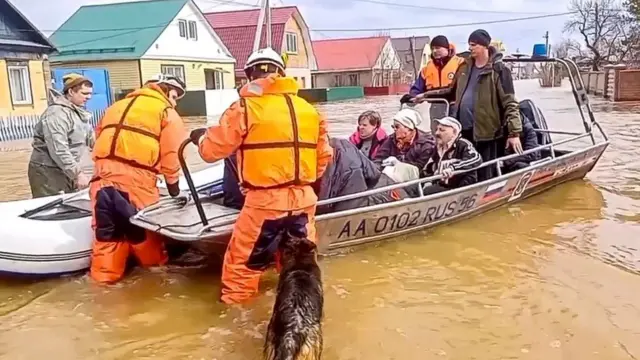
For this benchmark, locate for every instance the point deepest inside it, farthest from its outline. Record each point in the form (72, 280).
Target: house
(414, 52)
(23, 66)
(370, 61)
(136, 40)
(289, 34)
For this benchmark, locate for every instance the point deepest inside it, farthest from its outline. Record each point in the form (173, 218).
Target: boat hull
(50, 248)
(359, 226)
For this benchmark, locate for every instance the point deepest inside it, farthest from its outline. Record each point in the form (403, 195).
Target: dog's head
(295, 248)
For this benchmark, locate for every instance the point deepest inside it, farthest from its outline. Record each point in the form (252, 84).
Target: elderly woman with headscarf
(407, 144)
(453, 153)
(369, 135)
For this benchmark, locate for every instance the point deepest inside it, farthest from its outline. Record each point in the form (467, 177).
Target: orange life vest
(439, 78)
(279, 149)
(130, 130)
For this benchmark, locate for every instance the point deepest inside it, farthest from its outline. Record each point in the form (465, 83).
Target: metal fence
(21, 127)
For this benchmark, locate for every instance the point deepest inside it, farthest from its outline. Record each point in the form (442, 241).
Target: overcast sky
(363, 14)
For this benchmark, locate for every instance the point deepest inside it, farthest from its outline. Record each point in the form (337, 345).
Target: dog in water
(295, 329)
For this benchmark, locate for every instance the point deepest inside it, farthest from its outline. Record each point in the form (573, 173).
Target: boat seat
(532, 112)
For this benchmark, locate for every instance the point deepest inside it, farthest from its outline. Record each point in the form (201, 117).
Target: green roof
(113, 31)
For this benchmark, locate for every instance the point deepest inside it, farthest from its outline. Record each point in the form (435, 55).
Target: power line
(127, 31)
(338, 30)
(447, 25)
(434, 8)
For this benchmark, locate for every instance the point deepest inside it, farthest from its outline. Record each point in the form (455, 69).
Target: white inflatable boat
(52, 236)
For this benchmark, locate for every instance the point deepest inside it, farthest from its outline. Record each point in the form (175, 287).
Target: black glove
(196, 134)
(174, 189)
(406, 98)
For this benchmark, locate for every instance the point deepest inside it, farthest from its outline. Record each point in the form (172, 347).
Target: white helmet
(170, 80)
(265, 56)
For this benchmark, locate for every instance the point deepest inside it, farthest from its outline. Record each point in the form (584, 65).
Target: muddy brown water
(555, 276)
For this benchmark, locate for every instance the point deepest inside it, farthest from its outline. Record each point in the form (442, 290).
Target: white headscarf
(410, 118)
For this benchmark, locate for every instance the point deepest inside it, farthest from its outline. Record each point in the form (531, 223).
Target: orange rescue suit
(282, 147)
(137, 139)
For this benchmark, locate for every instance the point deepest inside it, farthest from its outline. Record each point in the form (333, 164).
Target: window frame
(25, 77)
(291, 38)
(192, 25)
(164, 67)
(183, 30)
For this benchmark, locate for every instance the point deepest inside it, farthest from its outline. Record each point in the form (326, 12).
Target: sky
(322, 16)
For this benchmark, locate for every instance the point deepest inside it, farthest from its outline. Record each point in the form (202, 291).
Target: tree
(605, 28)
(568, 49)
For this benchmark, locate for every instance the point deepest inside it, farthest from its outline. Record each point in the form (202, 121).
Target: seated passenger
(350, 172)
(529, 140)
(370, 134)
(407, 144)
(453, 153)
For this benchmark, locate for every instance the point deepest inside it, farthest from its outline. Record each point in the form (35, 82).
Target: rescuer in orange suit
(436, 78)
(282, 148)
(137, 139)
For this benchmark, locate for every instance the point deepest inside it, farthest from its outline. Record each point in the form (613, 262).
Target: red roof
(348, 54)
(237, 30)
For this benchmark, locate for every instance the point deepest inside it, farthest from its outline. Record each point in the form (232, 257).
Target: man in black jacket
(453, 153)
(529, 140)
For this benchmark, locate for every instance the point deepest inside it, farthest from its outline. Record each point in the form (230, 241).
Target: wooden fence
(21, 127)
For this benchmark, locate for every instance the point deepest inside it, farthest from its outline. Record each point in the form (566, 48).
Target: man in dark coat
(529, 140)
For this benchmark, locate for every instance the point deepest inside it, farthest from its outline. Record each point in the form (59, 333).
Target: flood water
(556, 276)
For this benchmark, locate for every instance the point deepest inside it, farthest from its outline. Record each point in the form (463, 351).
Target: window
(182, 27)
(193, 30)
(175, 70)
(19, 84)
(214, 79)
(408, 58)
(292, 43)
(337, 80)
(354, 79)
(304, 82)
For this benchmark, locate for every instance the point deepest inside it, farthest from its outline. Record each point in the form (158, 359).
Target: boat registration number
(409, 218)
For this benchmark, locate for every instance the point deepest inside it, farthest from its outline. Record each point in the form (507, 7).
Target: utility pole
(263, 10)
(412, 48)
(546, 43)
(268, 18)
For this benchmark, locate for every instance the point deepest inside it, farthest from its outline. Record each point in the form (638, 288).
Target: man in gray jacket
(62, 136)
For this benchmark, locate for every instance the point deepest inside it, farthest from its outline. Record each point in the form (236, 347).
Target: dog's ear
(306, 246)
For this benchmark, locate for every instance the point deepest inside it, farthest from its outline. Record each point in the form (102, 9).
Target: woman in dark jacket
(407, 144)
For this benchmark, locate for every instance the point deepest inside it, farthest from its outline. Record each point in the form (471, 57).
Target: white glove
(390, 161)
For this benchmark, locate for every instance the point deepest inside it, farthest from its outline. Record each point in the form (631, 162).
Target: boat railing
(576, 84)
